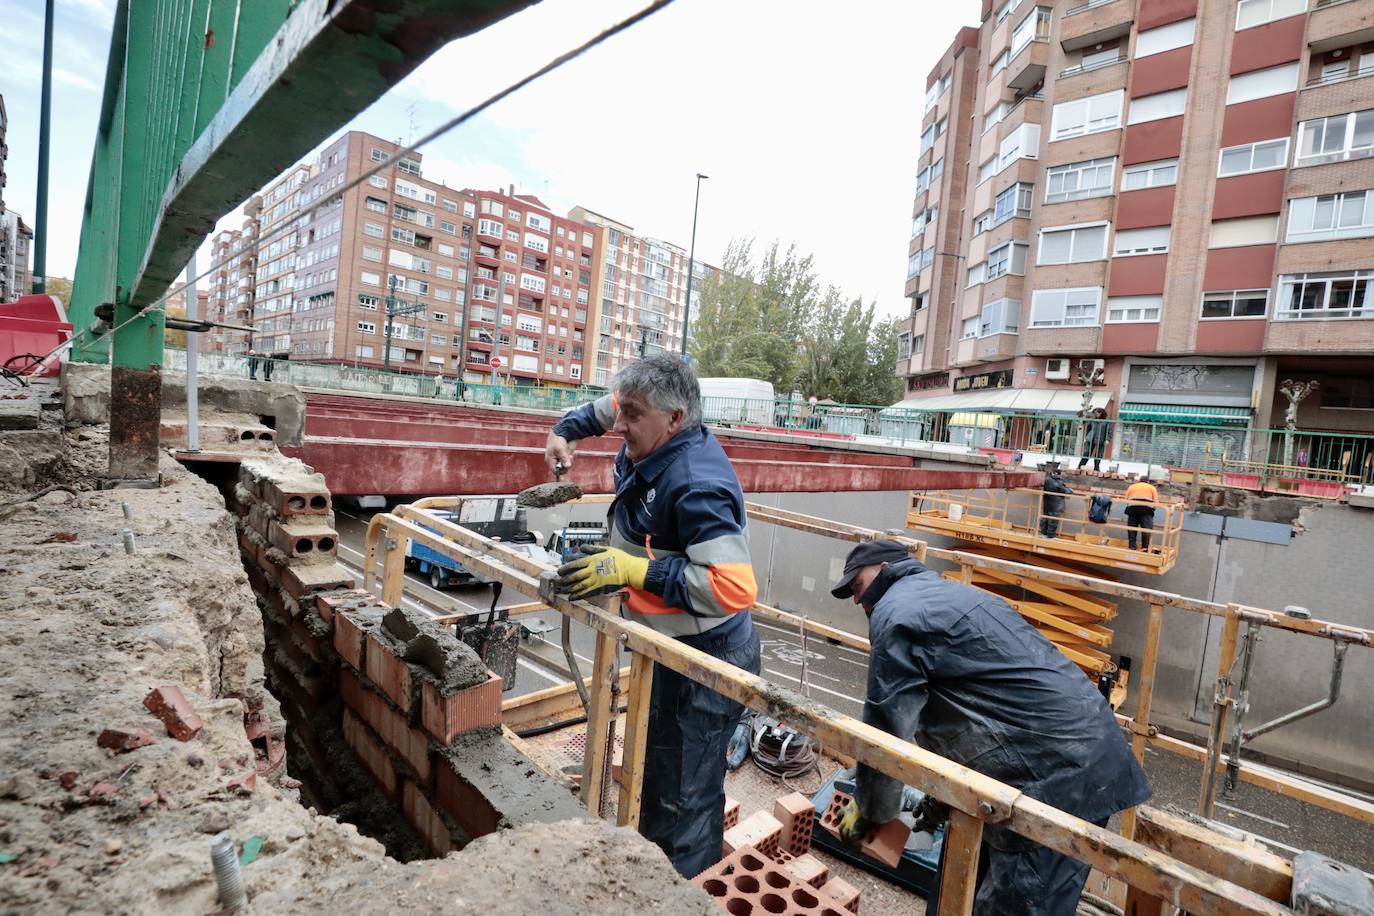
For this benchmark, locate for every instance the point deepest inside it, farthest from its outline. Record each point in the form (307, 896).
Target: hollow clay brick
(809, 870)
(464, 803)
(389, 672)
(731, 812)
(447, 717)
(350, 635)
(288, 500)
(328, 603)
(885, 842)
(797, 815)
(760, 830)
(170, 705)
(841, 893)
(304, 539)
(302, 581)
(370, 753)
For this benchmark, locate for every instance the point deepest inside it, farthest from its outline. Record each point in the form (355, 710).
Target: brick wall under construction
(391, 722)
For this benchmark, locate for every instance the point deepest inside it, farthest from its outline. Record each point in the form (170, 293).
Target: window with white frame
(371, 253)
(985, 171)
(490, 227)
(1007, 259)
(1079, 180)
(1165, 38)
(970, 329)
(445, 250)
(1235, 303)
(1259, 84)
(439, 316)
(368, 302)
(1072, 244)
(904, 345)
(375, 205)
(1151, 240)
(1246, 230)
(1133, 309)
(369, 278)
(538, 223)
(999, 63)
(469, 209)
(1157, 107)
(937, 168)
(532, 283)
(362, 351)
(1335, 138)
(1065, 308)
(922, 180)
(529, 323)
(927, 139)
(1021, 143)
(1344, 294)
(443, 273)
(995, 117)
(537, 242)
(1089, 115)
(367, 327)
(1347, 215)
(1013, 201)
(1251, 13)
(1260, 156)
(1001, 316)
(977, 273)
(377, 181)
(1155, 174)
(918, 345)
(1035, 26)
(982, 222)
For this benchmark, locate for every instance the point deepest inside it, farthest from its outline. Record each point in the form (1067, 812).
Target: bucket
(956, 512)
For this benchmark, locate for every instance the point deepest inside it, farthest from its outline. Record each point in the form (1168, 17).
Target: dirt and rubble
(102, 809)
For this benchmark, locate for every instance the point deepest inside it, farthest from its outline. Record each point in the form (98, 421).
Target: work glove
(601, 570)
(853, 825)
(930, 815)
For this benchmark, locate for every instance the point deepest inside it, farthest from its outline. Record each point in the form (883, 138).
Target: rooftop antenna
(410, 115)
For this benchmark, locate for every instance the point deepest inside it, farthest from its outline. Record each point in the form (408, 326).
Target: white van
(737, 400)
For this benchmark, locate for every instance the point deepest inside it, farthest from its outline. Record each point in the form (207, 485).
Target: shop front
(1186, 413)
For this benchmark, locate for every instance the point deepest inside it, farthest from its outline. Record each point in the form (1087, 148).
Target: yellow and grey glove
(601, 570)
(853, 825)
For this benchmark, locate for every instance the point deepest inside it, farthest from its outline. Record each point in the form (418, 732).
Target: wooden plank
(601, 716)
(959, 868)
(1247, 864)
(394, 571)
(1144, 699)
(636, 740)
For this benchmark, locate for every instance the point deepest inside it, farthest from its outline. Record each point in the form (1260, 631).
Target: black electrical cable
(789, 758)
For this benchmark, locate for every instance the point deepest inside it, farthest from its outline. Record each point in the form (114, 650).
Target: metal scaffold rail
(1170, 860)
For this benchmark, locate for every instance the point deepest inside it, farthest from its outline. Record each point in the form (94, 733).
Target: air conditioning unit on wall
(1096, 369)
(1057, 370)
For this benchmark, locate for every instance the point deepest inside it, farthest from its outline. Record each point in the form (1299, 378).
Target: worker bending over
(959, 672)
(677, 542)
(1141, 498)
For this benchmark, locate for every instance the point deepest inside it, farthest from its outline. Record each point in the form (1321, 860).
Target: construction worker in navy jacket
(677, 545)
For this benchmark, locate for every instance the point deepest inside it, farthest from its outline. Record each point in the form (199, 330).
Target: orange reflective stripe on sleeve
(733, 585)
(642, 602)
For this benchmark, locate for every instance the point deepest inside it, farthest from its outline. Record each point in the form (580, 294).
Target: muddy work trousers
(683, 805)
(1030, 882)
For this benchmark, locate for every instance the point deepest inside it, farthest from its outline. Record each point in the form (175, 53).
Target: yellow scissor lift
(1006, 524)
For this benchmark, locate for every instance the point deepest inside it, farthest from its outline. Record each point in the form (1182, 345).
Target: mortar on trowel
(548, 495)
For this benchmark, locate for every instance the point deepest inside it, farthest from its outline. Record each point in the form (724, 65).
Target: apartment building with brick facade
(639, 289)
(1174, 196)
(491, 284)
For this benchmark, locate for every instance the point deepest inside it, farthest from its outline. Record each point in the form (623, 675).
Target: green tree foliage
(769, 319)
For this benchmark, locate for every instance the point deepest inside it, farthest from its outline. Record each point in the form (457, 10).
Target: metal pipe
(572, 666)
(691, 265)
(1252, 638)
(1333, 694)
(192, 362)
(40, 215)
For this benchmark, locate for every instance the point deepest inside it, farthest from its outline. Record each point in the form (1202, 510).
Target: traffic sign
(496, 362)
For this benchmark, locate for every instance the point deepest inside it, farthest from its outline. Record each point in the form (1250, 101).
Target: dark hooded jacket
(963, 675)
(1054, 504)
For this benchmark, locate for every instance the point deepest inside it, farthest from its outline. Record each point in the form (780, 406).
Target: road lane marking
(843, 696)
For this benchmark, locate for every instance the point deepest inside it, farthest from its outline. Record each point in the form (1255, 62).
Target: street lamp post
(691, 265)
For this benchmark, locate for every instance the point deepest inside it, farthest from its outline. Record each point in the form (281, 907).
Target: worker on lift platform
(1052, 503)
(677, 543)
(963, 675)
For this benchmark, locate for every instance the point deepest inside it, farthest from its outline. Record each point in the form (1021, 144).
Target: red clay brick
(760, 830)
(122, 740)
(447, 717)
(302, 581)
(302, 539)
(370, 753)
(731, 812)
(390, 673)
(290, 501)
(170, 705)
(349, 639)
(467, 806)
(841, 893)
(796, 814)
(884, 842)
(426, 819)
(330, 602)
(809, 870)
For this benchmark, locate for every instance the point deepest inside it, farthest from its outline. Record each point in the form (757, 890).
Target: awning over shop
(1009, 400)
(1184, 414)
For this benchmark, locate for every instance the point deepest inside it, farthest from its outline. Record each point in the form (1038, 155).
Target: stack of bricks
(747, 881)
(410, 691)
(275, 497)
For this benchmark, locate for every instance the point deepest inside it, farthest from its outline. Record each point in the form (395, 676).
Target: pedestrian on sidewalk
(1095, 439)
(253, 365)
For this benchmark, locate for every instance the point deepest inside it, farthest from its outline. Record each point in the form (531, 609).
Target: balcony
(1096, 21)
(1090, 68)
(1027, 68)
(1332, 25)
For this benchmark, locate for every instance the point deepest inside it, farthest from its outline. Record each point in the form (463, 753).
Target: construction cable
(434, 134)
(792, 757)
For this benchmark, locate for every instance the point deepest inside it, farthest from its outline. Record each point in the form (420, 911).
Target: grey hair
(667, 382)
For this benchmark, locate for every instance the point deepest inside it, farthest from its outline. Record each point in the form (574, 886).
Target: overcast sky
(804, 115)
